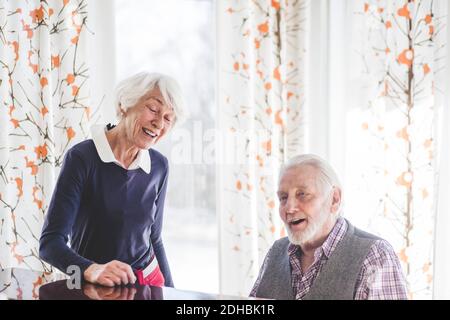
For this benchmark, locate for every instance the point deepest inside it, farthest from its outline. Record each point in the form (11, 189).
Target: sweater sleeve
(156, 238)
(62, 212)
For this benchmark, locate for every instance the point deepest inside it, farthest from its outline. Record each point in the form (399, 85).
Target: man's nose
(291, 205)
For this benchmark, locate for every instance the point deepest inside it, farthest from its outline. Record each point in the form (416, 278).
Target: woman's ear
(123, 112)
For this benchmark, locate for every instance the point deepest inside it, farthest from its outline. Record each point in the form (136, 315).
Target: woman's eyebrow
(157, 99)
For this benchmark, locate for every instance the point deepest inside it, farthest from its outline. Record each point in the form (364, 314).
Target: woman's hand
(110, 274)
(103, 293)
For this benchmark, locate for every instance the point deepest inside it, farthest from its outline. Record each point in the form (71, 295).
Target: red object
(151, 275)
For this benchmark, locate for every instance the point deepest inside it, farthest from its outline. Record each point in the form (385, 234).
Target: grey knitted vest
(337, 278)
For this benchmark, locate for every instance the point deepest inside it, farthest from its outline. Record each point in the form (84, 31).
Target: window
(177, 38)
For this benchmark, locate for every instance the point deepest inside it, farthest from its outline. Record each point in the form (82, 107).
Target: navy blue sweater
(106, 213)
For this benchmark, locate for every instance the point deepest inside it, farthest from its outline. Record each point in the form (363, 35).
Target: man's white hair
(130, 90)
(326, 177)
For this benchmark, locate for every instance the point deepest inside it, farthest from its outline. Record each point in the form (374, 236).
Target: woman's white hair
(130, 90)
(326, 177)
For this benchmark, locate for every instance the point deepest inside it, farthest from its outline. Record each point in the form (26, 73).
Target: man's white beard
(311, 231)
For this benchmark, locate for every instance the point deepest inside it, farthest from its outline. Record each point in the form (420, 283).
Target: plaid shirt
(381, 276)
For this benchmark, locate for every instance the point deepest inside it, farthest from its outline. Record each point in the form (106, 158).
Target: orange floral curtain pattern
(44, 109)
(399, 50)
(262, 52)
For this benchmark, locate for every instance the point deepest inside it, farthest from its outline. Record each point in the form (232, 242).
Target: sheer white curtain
(390, 91)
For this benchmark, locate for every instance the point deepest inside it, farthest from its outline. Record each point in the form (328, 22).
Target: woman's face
(148, 120)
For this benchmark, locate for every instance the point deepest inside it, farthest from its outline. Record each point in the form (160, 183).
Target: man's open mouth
(296, 222)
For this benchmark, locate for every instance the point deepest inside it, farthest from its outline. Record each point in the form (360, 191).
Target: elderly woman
(109, 197)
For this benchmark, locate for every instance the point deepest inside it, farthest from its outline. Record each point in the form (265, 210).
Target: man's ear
(336, 199)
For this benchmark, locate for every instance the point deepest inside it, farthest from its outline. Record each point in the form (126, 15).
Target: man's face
(304, 208)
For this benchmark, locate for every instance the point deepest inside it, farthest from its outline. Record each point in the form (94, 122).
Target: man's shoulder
(379, 248)
(359, 233)
(366, 235)
(280, 244)
(356, 242)
(382, 248)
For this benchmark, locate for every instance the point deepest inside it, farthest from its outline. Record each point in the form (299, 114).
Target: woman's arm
(61, 215)
(58, 224)
(156, 238)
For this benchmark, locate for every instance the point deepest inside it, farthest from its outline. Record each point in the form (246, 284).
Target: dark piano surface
(18, 284)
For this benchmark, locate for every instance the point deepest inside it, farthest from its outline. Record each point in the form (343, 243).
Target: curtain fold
(261, 55)
(44, 110)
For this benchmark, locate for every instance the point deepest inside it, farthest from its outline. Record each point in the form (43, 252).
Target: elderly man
(324, 256)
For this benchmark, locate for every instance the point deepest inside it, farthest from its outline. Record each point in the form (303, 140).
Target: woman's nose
(157, 122)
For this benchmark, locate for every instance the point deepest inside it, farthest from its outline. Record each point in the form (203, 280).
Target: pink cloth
(151, 275)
